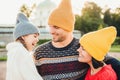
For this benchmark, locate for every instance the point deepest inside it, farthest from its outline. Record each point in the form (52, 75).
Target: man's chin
(55, 40)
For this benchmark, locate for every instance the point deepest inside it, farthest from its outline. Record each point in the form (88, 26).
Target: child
(94, 46)
(20, 64)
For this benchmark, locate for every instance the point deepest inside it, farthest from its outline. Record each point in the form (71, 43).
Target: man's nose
(52, 30)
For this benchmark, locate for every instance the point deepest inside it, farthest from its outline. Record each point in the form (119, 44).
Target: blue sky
(10, 8)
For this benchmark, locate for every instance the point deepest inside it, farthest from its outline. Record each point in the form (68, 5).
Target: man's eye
(56, 27)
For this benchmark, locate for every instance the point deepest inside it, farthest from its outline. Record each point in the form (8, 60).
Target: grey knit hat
(23, 27)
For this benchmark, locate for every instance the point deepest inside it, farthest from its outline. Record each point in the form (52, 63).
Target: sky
(10, 8)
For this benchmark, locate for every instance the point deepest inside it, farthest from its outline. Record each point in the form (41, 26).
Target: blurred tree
(77, 22)
(113, 19)
(100, 26)
(90, 18)
(107, 17)
(116, 20)
(27, 10)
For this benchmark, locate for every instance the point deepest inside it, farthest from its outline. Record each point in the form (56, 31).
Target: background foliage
(93, 18)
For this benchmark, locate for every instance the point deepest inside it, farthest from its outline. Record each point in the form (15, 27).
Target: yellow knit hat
(63, 16)
(98, 43)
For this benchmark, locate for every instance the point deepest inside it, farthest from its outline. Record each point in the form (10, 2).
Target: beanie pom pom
(21, 18)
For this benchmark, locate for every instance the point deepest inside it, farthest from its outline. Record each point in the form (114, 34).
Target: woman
(20, 64)
(94, 46)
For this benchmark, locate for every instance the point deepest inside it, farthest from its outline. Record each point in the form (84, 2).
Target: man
(58, 59)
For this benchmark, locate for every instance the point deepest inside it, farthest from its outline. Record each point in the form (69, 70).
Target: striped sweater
(59, 63)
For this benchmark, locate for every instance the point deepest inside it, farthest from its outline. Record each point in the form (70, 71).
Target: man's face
(58, 34)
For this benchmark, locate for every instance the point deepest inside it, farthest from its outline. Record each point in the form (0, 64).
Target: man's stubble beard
(59, 39)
